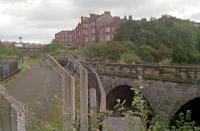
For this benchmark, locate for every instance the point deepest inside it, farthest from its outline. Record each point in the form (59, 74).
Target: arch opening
(194, 107)
(122, 92)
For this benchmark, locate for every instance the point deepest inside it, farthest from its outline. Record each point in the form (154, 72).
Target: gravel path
(38, 86)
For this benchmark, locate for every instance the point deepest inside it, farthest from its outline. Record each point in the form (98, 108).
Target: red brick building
(92, 29)
(64, 37)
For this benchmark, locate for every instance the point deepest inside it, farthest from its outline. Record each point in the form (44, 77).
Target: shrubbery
(9, 51)
(159, 39)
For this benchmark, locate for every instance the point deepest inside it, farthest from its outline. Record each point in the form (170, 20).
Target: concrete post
(93, 108)
(68, 86)
(68, 93)
(83, 99)
(93, 100)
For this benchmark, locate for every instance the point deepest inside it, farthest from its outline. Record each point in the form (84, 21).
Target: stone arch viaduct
(166, 88)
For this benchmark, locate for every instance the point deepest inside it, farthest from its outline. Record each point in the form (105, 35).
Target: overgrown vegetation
(143, 111)
(165, 38)
(9, 51)
(111, 52)
(55, 48)
(50, 121)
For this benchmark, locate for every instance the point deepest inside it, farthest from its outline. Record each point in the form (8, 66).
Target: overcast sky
(39, 20)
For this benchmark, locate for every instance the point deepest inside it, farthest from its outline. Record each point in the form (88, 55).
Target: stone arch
(192, 92)
(194, 106)
(118, 92)
(122, 92)
(111, 83)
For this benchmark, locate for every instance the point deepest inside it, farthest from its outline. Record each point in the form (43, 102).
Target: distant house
(92, 29)
(32, 47)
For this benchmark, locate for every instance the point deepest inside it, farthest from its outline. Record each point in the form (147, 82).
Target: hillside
(164, 39)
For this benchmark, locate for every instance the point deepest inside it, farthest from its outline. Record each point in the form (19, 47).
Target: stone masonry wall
(165, 97)
(186, 74)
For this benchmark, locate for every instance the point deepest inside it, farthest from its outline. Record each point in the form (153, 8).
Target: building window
(86, 39)
(93, 38)
(107, 29)
(86, 25)
(93, 23)
(93, 30)
(108, 38)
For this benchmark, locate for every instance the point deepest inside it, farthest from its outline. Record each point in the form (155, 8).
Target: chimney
(116, 18)
(82, 19)
(130, 18)
(92, 16)
(107, 13)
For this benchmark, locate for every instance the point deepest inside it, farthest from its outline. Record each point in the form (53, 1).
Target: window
(107, 29)
(108, 38)
(93, 30)
(93, 38)
(86, 39)
(85, 32)
(86, 25)
(93, 23)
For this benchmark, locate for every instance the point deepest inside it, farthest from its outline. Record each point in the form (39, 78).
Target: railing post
(68, 93)
(68, 97)
(83, 99)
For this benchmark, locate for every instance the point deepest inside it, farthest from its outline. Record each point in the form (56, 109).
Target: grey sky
(38, 20)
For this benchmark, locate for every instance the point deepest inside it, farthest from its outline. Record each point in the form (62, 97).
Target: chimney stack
(107, 13)
(92, 16)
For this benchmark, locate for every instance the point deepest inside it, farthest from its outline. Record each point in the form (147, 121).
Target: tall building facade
(92, 29)
(64, 37)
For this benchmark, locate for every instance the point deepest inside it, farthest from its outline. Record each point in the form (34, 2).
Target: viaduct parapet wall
(185, 74)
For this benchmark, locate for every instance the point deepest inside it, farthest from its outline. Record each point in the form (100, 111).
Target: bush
(107, 51)
(55, 48)
(130, 58)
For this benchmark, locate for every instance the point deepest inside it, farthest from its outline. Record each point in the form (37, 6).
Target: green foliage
(55, 48)
(53, 120)
(166, 37)
(130, 58)
(32, 55)
(166, 61)
(147, 53)
(111, 51)
(9, 51)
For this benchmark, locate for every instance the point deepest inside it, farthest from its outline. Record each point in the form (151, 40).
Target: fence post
(68, 97)
(83, 99)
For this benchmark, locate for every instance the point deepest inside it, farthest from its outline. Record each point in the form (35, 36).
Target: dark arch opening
(122, 92)
(194, 107)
